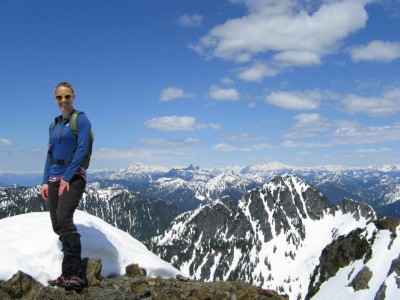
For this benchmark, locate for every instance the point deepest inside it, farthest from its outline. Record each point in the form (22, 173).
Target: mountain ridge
(277, 227)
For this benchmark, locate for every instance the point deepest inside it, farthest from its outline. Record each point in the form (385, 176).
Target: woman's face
(65, 99)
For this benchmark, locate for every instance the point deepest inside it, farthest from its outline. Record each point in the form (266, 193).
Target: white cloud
(227, 80)
(375, 51)
(214, 126)
(385, 105)
(307, 126)
(286, 29)
(304, 153)
(144, 154)
(257, 72)
(169, 143)
(192, 140)
(194, 20)
(297, 100)
(248, 148)
(224, 147)
(366, 135)
(224, 94)
(171, 93)
(292, 144)
(244, 137)
(175, 123)
(123, 153)
(373, 150)
(252, 105)
(4, 142)
(298, 57)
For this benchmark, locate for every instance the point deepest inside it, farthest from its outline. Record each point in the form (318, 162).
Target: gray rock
(360, 282)
(135, 286)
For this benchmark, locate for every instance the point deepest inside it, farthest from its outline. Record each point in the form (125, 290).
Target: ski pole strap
(62, 162)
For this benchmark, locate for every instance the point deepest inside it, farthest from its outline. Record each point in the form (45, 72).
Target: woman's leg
(70, 238)
(52, 205)
(67, 204)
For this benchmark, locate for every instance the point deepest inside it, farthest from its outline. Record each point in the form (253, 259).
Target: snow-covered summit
(27, 243)
(138, 167)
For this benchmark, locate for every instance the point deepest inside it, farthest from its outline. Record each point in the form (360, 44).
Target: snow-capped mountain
(272, 237)
(141, 217)
(16, 200)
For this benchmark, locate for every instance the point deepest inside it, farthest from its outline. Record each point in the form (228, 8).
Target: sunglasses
(66, 97)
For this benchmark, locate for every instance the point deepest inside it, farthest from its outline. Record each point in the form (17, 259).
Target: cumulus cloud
(224, 94)
(4, 142)
(194, 20)
(175, 123)
(291, 32)
(171, 93)
(368, 135)
(257, 72)
(297, 100)
(375, 51)
(307, 126)
(386, 105)
(298, 57)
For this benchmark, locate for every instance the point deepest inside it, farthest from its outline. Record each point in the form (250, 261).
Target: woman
(64, 181)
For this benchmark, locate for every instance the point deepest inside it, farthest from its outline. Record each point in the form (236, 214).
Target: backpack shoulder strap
(73, 122)
(53, 124)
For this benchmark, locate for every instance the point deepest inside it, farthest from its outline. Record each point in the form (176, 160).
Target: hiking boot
(60, 281)
(74, 283)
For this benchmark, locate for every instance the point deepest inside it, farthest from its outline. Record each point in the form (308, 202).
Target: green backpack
(74, 126)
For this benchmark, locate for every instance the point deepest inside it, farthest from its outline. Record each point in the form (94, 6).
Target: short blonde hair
(66, 84)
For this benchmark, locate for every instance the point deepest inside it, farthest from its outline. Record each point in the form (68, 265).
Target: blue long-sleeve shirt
(64, 145)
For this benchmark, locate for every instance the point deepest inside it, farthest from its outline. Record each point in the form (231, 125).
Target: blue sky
(209, 83)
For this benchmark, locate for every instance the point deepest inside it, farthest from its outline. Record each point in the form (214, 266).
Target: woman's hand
(63, 185)
(45, 192)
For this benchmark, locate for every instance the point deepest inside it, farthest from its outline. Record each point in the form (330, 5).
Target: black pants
(62, 213)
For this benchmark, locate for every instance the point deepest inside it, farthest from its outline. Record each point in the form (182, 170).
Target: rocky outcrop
(134, 285)
(338, 254)
(360, 282)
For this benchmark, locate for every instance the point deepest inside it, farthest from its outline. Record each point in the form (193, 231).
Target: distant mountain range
(193, 186)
